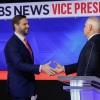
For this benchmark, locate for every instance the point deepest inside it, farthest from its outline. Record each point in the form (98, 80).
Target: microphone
(89, 59)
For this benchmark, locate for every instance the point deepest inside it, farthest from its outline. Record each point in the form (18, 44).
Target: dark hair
(16, 20)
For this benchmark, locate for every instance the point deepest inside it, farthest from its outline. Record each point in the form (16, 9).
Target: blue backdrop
(59, 39)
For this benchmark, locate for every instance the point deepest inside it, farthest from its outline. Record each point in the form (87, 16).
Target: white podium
(82, 87)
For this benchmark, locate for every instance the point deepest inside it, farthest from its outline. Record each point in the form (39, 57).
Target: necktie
(28, 46)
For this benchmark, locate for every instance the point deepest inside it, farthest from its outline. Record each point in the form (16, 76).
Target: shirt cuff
(40, 68)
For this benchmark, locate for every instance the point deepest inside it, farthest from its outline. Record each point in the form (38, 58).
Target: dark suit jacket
(89, 59)
(21, 68)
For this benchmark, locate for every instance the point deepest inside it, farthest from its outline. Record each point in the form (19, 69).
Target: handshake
(52, 71)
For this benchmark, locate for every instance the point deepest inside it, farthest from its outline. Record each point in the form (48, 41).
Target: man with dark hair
(20, 61)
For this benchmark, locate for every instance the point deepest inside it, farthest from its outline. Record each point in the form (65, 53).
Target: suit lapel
(22, 45)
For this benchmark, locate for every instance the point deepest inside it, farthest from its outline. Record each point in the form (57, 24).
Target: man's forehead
(24, 20)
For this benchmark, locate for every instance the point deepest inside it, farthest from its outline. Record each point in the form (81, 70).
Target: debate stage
(48, 87)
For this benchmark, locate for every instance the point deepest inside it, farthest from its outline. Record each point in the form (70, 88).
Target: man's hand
(47, 69)
(58, 68)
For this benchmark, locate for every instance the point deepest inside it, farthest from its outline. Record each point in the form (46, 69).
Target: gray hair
(94, 21)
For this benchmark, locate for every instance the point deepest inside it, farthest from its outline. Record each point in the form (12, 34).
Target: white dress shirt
(92, 36)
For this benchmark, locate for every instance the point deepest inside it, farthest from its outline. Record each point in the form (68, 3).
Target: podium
(82, 87)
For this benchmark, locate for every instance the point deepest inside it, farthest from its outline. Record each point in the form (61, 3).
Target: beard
(24, 31)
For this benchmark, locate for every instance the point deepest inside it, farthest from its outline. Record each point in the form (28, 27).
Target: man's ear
(16, 26)
(90, 27)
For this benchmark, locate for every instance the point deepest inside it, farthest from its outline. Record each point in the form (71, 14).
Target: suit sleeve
(69, 69)
(92, 59)
(14, 59)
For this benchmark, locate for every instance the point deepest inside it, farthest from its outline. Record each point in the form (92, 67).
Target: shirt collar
(92, 36)
(20, 37)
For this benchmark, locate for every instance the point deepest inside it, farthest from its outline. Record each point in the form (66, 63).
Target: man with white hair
(89, 60)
